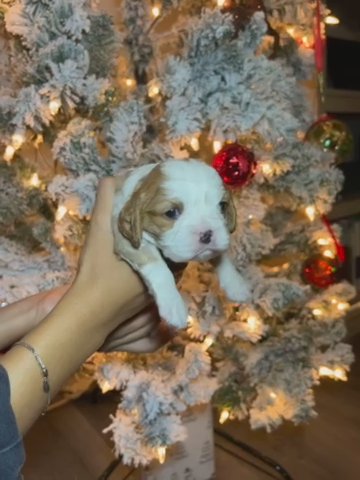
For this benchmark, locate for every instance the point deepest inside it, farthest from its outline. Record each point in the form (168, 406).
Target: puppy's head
(183, 208)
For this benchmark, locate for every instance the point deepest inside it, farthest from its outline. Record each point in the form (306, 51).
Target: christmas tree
(84, 96)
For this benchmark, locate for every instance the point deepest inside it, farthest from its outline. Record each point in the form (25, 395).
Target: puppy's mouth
(206, 253)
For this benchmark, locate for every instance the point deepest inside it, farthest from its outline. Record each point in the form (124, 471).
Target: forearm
(18, 318)
(65, 339)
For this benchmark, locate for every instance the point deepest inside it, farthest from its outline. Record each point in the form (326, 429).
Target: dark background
(343, 76)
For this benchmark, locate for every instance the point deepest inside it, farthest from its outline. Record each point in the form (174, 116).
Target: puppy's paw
(174, 311)
(236, 288)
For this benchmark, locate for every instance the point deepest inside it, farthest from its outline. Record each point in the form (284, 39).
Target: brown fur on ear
(131, 217)
(230, 212)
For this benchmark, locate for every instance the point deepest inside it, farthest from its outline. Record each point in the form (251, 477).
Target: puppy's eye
(173, 213)
(223, 206)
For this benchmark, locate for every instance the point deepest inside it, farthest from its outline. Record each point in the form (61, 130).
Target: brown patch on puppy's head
(229, 211)
(146, 210)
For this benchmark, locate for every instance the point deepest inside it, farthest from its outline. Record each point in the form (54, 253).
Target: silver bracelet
(44, 372)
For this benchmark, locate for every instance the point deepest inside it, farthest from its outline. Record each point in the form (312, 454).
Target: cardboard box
(192, 459)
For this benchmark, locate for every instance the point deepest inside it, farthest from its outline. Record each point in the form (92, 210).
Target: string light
(252, 322)
(337, 373)
(329, 253)
(154, 90)
(156, 11)
(250, 217)
(311, 212)
(194, 143)
(9, 153)
(323, 241)
(266, 168)
(220, 3)
(343, 306)
(224, 415)
(54, 106)
(217, 146)
(161, 453)
(35, 180)
(331, 20)
(130, 82)
(317, 312)
(273, 395)
(209, 340)
(60, 212)
(17, 140)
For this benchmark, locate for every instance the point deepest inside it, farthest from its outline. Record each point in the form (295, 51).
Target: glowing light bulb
(54, 106)
(273, 395)
(290, 30)
(342, 306)
(267, 169)
(340, 374)
(161, 453)
(194, 143)
(17, 140)
(130, 82)
(329, 253)
(60, 212)
(317, 312)
(325, 371)
(220, 3)
(156, 11)
(311, 212)
(9, 153)
(209, 340)
(250, 217)
(331, 20)
(217, 146)
(224, 415)
(323, 241)
(35, 180)
(154, 90)
(337, 373)
(252, 322)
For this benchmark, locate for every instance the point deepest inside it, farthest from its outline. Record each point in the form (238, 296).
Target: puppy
(178, 210)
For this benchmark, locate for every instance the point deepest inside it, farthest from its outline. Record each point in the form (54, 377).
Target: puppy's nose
(205, 237)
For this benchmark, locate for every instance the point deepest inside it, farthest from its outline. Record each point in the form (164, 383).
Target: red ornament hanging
(235, 164)
(320, 271)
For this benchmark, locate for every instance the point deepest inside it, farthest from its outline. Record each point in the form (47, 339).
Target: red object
(320, 272)
(235, 164)
(340, 249)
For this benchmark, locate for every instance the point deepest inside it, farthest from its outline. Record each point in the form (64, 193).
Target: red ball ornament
(235, 164)
(320, 271)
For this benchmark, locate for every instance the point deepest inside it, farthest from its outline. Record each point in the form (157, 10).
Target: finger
(149, 315)
(117, 339)
(104, 197)
(158, 337)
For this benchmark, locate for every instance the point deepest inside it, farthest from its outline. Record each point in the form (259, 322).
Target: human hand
(143, 333)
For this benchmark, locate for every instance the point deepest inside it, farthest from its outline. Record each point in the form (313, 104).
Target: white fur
(200, 190)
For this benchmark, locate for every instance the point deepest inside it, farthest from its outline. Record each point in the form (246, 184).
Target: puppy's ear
(131, 217)
(129, 222)
(230, 213)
